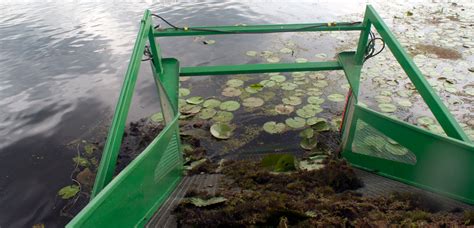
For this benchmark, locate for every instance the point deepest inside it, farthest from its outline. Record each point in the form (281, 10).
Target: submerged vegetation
(252, 194)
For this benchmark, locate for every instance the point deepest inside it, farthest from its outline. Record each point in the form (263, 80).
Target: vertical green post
(108, 161)
(363, 39)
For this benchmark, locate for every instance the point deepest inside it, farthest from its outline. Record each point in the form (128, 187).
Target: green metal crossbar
(443, 164)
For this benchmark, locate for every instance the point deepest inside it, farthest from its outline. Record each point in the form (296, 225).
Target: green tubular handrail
(258, 29)
(132, 201)
(114, 139)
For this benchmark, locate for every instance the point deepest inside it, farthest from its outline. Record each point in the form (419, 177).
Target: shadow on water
(38, 167)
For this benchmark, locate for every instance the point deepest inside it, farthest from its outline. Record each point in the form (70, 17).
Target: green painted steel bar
(259, 68)
(106, 168)
(442, 114)
(245, 29)
(155, 52)
(443, 164)
(351, 70)
(363, 39)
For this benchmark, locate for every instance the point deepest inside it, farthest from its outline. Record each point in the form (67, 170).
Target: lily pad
(273, 127)
(314, 120)
(307, 133)
(184, 92)
(229, 106)
(251, 53)
(234, 83)
(266, 54)
(317, 76)
(306, 112)
(157, 117)
(254, 88)
(336, 97)
(315, 100)
(284, 109)
(404, 93)
(253, 102)
(321, 125)
(296, 122)
(279, 162)
(231, 92)
(346, 86)
(298, 74)
(383, 99)
(321, 56)
(268, 83)
(405, 103)
(278, 78)
(301, 60)
(209, 42)
(198, 202)
(211, 103)
(308, 143)
(396, 149)
(313, 108)
(314, 92)
(387, 107)
(375, 141)
(425, 121)
(273, 59)
(469, 91)
(190, 109)
(195, 100)
(286, 50)
(207, 113)
(69, 191)
(223, 116)
(221, 130)
(288, 86)
(321, 84)
(291, 100)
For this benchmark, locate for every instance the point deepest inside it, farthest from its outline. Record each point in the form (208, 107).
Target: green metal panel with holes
(442, 164)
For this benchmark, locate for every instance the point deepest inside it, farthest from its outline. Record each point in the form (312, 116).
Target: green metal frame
(130, 198)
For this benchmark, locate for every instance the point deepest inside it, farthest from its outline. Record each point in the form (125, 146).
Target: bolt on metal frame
(131, 197)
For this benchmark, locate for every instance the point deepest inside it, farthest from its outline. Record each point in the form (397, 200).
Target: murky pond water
(62, 65)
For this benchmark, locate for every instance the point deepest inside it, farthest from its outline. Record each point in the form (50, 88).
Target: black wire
(370, 49)
(164, 20)
(147, 54)
(237, 32)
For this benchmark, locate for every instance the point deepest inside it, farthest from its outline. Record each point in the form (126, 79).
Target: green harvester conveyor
(443, 165)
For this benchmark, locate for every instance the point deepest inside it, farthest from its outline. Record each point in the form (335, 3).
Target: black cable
(147, 54)
(237, 32)
(370, 49)
(164, 20)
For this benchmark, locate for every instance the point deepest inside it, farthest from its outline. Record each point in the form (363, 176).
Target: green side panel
(442, 164)
(259, 68)
(132, 197)
(223, 30)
